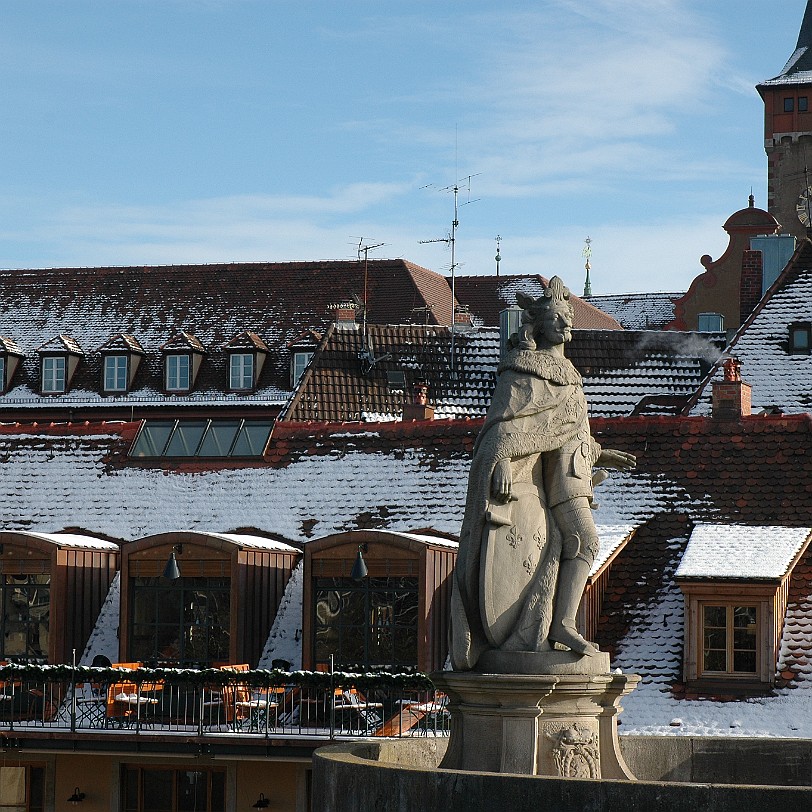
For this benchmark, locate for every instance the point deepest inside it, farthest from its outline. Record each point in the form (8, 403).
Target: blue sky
(170, 131)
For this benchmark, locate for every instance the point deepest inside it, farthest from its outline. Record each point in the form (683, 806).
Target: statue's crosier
(528, 537)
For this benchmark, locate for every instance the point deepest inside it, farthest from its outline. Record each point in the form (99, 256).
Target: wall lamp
(172, 570)
(262, 802)
(77, 797)
(359, 568)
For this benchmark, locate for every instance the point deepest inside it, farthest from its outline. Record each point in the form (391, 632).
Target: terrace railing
(216, 702)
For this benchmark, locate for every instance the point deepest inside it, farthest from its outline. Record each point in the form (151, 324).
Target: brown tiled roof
(214, 303)
(487, 296)
(751, 471)
(339, 387)
(620, 369)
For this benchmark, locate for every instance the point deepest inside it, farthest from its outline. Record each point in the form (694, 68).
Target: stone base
(542, 662)
(559, 725)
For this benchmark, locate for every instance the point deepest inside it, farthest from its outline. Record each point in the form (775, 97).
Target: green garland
(259, 678)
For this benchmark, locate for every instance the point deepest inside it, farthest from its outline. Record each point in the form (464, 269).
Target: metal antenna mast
(498, 256)
(451, 240)
(366, 249)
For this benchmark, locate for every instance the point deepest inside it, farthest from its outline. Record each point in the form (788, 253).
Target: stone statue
(528, 537)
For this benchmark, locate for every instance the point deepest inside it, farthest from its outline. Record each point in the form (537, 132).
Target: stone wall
(400, 776)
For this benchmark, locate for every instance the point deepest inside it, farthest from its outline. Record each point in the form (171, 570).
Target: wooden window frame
(766, 597)
(729, 672)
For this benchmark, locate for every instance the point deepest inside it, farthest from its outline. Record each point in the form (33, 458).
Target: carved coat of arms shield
(513, 539)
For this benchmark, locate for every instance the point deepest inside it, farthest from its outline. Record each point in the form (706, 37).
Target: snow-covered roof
(200, 307)
(611, 538)
(70, 540)
(638, 311)
(255, 542)
(777, 376)
(741, 551)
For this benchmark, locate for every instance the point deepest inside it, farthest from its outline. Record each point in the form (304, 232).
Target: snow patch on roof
(741, 551)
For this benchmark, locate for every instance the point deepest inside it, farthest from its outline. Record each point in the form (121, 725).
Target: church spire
(801, 59)
(805, 37)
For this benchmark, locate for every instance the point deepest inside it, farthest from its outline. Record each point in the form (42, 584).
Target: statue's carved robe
(507, 567)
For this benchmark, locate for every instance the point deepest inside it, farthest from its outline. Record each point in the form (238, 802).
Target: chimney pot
(731, 397)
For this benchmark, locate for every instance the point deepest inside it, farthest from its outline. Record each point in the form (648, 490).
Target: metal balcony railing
(217, 702)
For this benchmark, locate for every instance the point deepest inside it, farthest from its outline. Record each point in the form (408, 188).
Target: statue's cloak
(538, 406)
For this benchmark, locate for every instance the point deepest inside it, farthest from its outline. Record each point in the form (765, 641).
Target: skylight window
(201, 438)
(800, 337)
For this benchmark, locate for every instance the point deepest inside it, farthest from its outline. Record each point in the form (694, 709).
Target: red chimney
(343, 313)
(419, 408)
(732, 395)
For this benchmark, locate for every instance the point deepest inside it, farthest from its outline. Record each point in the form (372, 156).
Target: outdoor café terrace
(210, 711)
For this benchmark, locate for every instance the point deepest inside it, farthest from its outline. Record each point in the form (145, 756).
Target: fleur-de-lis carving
(514, 537)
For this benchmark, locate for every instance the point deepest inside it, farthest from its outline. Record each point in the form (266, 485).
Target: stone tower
(788, 136)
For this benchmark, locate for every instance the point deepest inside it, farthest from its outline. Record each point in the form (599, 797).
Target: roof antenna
(498, 256)
(366, 249)
(587, 254)
(451, 240)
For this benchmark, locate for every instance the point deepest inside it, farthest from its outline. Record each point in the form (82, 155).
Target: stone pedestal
(560, 725)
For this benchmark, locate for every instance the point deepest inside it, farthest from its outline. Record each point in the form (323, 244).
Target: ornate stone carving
(575, 751)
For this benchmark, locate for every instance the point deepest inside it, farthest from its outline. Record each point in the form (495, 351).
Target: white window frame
(116, 373)
(178, 379)
(298, 365)
(54, 374)
(241, 366)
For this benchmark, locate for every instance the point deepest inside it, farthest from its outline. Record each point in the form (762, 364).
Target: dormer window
(183, 355)
(800, 338)
(735, 580)
(121, 357)
(302, 350)
(710, 323)
(246, 357)
(241, 370)
(54, 374)
(299, 362)
(10, 357)
(178, 373)
(59, 359)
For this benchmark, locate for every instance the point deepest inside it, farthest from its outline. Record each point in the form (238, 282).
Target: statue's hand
(619, 460)
(502, 481)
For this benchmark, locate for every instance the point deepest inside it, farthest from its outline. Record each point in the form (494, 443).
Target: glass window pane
(241, 370)
(299, 365)
(177, 372)
(3, 381)
(36, 782)
(219, 438)
(192, 791)
(744, 662)
(115, 373)
(252, 439)
(744, 616)
(715, 661)
(53, 373)
(152, 438)
(218, 792)
(715, 616)
(186, 438)
(131, 790)
(157, 789)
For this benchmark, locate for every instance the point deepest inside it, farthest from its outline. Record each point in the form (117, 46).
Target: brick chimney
(731, 396)
(343, 314)
(419, 408)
